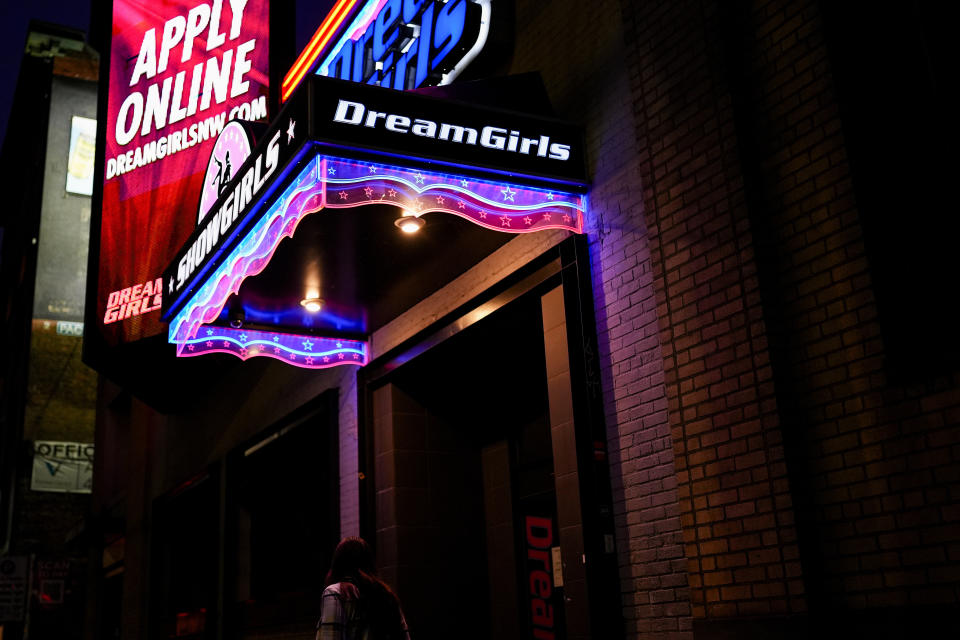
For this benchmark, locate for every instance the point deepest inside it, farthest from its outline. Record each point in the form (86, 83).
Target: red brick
(870, 442)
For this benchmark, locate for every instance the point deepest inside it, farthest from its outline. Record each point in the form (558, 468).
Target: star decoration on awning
(335, 183)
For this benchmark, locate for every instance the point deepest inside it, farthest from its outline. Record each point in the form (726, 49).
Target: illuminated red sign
(133, 301)
(179, 71)
(539, 533)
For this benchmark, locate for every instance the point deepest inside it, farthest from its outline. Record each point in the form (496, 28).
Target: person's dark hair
(353, 562)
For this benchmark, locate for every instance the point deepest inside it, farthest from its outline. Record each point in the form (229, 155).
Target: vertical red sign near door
(539, 536)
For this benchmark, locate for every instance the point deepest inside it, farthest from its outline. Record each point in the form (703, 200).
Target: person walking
(357, 604)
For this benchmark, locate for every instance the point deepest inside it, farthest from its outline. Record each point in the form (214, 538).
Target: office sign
(62, 467)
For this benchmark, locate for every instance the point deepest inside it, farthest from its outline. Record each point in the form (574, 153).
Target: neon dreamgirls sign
(329, 182)
(343, 145)
(402, 44)
(179, 71)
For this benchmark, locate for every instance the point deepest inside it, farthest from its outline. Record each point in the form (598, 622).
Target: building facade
(712, 407)
(49, 394)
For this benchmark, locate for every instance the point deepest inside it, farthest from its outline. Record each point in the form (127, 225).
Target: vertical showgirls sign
(179, 71)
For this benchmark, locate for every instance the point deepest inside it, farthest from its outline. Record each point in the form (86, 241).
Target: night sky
(15, 16)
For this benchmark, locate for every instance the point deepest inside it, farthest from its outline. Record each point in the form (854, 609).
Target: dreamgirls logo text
(133, 301)
(496, 138)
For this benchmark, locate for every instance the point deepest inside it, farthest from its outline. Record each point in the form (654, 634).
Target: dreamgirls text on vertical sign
(179, 71)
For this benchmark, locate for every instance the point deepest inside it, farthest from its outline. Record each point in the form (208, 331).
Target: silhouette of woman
(358, 605)
(223, 175)
(226, 174)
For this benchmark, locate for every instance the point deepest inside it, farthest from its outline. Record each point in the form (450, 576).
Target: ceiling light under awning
(315, 159)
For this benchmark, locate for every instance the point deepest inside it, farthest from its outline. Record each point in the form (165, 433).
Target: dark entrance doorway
(282, 522)
(463, 455)
(481, 484)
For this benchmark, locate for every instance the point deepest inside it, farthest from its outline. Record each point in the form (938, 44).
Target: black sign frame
(532, 169)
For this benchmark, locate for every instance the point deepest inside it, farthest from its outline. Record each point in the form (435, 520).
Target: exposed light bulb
(409, 223)
(312, 304)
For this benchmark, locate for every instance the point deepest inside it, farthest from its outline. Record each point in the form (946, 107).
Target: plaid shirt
(343, 616)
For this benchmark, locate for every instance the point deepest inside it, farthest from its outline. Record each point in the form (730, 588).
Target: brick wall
(582, 58)
(875, 460)
(734, 495)
(792, 442)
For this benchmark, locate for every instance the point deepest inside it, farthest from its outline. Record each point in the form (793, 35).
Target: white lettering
(147, 58)
(354, 108)
(399, 124)
(258, 108)
(458, 133)
(490, 140)
(237, 6)
(525, 145)
(544, 146)
(214, 37)
(215, 80)
(217, 123)
(560, 151)
(177, 111)
(194, 89)
(157, 106)
(122, 134)
(372, 117)
(241, 67)
(197, 21)
(175, 145)
(172, 35)
(424, 128)
(497, 138)
(273, 153)
(218, 225)
(150, 152)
